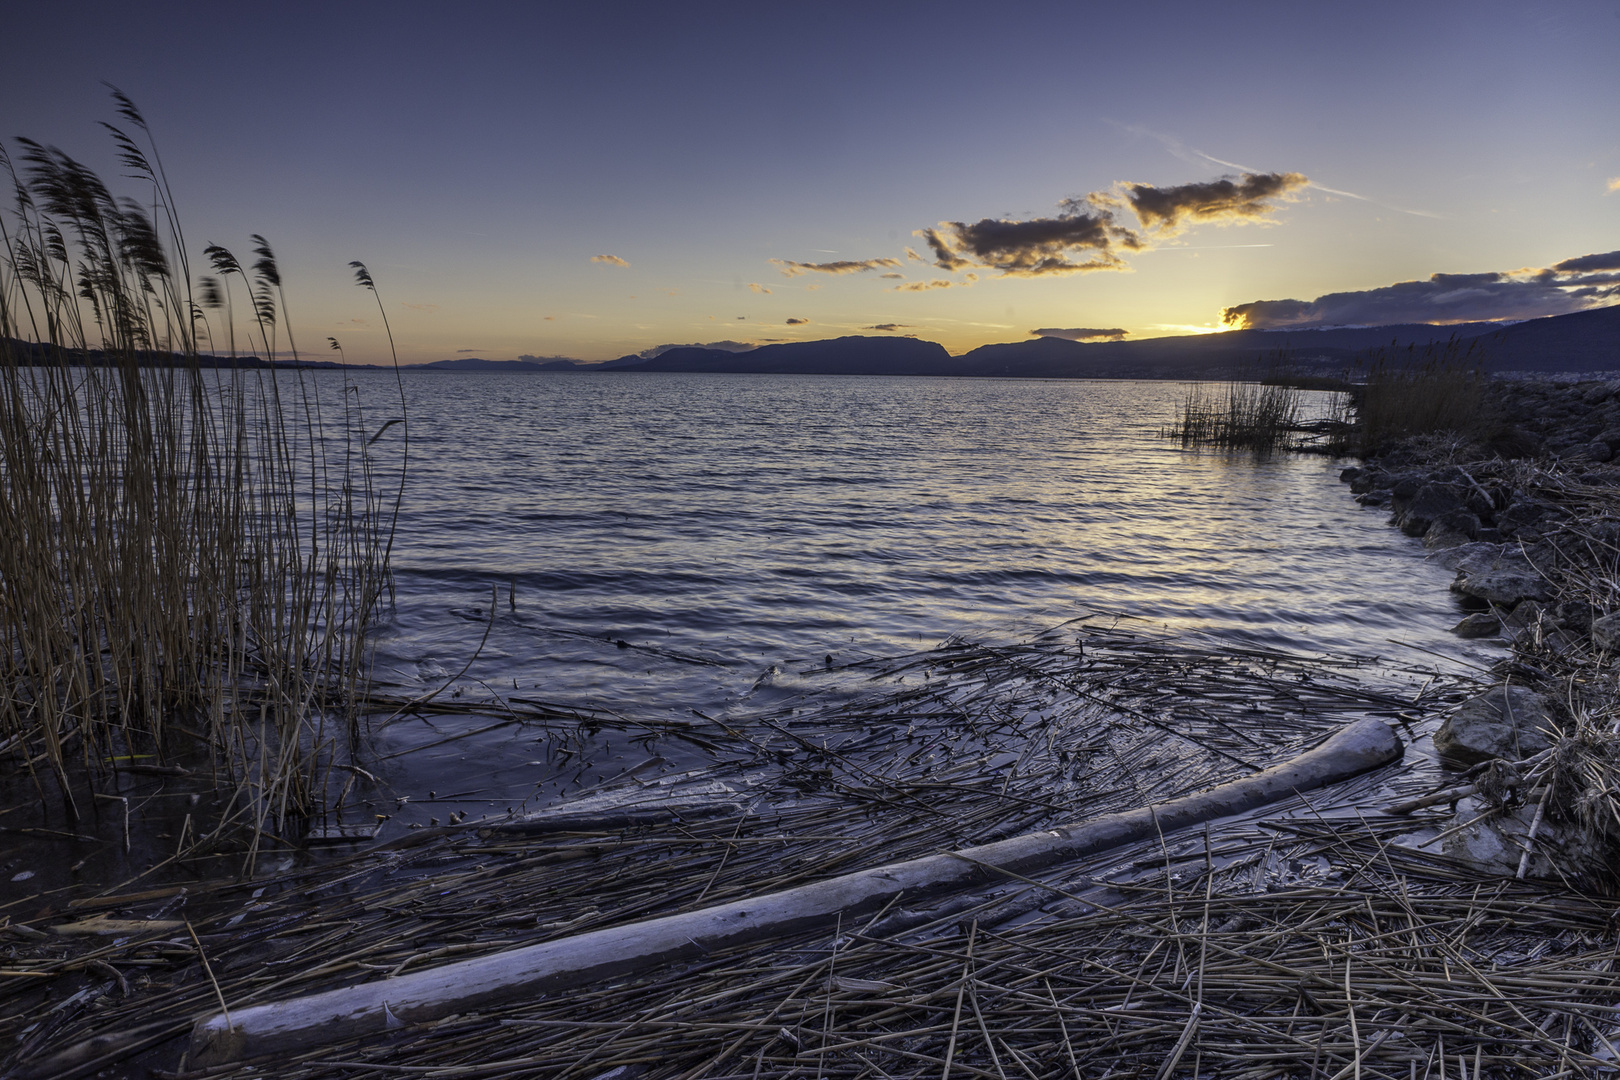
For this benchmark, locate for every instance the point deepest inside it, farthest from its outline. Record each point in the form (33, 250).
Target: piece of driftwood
(382, 1007)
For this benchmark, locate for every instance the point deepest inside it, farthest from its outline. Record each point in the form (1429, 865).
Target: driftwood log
(384, 1006)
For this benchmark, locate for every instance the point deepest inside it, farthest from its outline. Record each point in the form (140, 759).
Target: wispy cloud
(755, 286)
(1614, 185)
(791, 268)
(609, 260)
(1080, 333)
(937, 283)
(797, 322)
(1191, 154)
(1572, 285)
(892, 276)
(889, 326)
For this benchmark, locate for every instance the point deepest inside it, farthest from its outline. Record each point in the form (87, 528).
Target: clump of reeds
(1239, 416)
(1438, 390)
(192, 548)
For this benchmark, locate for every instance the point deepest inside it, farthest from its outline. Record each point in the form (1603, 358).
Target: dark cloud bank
(1569, 286)
(1080, 333)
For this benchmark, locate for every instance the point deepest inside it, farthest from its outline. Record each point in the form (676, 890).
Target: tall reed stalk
(192, 548)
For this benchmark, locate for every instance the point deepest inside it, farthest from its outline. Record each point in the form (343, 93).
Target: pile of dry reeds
(953, 746)
(192, 549)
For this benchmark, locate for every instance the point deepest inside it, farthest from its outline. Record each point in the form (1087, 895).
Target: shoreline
(1263, 911)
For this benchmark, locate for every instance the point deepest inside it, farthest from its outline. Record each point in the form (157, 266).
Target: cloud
(937, 283)
(754, 286)
(609, 260)
(797, 322)
(911, 254)
(1609, 260)
(459, 351)
(1080, 333)
(1229, 200)
(1087, 234)
(893, 277)
(889, 326)
(550, 318)
(530, 358)
(420, 307)
(1614, 185)
(842, 266)
(722, 346)
(1572, 285)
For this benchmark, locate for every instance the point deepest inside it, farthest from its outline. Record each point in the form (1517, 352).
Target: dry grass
(191, 556)
(1309, 943)
(1439, 391)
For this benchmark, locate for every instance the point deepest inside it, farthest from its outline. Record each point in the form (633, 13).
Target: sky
(589, 181)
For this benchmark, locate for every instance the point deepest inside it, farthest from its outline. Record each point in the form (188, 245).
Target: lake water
(731, 530)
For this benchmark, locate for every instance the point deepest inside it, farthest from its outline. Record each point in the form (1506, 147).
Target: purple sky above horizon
(556, 180)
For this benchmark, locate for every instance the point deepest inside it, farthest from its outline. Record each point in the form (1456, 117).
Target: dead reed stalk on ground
(192, 548)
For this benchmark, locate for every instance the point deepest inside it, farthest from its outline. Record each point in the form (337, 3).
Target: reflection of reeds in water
(1239, 416)
(190, 556)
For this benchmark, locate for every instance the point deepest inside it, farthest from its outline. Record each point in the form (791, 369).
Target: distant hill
(1586, 341)
(838, 356)
(473, 363)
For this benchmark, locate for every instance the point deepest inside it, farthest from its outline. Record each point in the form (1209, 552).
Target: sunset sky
(594, 180)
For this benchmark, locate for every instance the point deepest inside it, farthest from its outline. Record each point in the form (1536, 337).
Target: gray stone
(1479, 624)
(1610, 437)
(1606, 632)
(1431, 501)
(1509, 722)
(1451, 530)
(1525, 614)
(1588, 451)
(1506, 582)
(1495, 843)
(1469, 558)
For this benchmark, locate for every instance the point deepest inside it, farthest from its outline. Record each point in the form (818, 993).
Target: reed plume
(192, 551)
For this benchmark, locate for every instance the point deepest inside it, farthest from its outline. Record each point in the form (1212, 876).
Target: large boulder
(1429, 502)
(1506, 581)
(1510, 722)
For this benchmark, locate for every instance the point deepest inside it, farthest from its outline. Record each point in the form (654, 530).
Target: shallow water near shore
(721, 527)
(658, 546)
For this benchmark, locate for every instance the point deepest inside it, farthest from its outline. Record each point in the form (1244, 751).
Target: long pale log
(376, 1008)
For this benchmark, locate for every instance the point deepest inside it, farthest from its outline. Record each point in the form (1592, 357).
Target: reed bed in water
(1258, 416)
(944, 748)
(192, 549)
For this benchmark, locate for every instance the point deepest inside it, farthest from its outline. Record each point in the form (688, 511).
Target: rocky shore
(1527, 512)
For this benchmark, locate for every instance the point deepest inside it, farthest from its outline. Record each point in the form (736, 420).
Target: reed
(1239, 416)
(1438, 390)
(192, 548)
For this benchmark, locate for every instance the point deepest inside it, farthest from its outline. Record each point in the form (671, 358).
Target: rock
(1525, 511)
(1431, 501)
(1496, 843)
(1510, 722)
(1610, 437)
(1506, 582)
(1526, 614)
(1478, 625)
(1350, 475)
(1367, 480)
(1606, 632)
(1379, 497)
(1451, 530)
(1469, 558)
(1588, 451)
